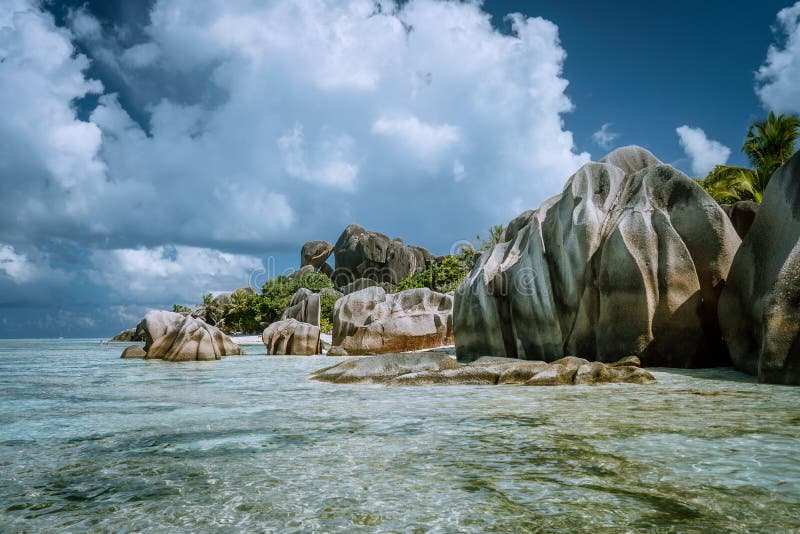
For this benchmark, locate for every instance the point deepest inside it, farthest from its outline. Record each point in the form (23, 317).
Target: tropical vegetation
(768, 145)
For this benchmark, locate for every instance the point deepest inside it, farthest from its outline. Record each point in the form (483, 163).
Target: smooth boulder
(292, 337)
(175, 337)
(760, 305)
(304, 307)
(315, 253)
(133, 352)
(373, 321)
(629, 259)
(360, 253)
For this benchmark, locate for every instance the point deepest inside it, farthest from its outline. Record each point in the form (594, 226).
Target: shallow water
(89, 441)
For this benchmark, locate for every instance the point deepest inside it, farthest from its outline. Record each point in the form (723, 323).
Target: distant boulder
(127, 336)
(760, 305)
(175, 337)
(357, 285)
(302, 271)
(315, 253)
(291, 337)
(372, 321)
(629, 259)
(304, 307)
(742, 214)
(361, 253)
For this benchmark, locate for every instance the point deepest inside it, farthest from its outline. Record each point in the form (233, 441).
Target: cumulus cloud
(778, 79)
(267, 124)
(176, 273)
(703, 153)
(604, 137)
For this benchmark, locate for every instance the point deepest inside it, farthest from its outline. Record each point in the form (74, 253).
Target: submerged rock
(431, 368)
(292, 337)
(373, 321)
(175, 337)
(133, 352)
(760, 305)
(629, 259)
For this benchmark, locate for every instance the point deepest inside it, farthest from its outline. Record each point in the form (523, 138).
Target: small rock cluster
(433, 368)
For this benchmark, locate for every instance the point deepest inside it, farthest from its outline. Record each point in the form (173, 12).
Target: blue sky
(154, 151)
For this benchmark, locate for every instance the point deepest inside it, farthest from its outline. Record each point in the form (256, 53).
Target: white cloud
(167, 273)
(421, 141)
(330, 163)
(779, 77)
(604, 137)
(703, 153)
(140, 55)
(22, 269)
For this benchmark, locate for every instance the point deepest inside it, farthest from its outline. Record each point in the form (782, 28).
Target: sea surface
(90, 442)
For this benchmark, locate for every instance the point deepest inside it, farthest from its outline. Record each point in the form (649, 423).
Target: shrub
(326, 304)
(443, 276)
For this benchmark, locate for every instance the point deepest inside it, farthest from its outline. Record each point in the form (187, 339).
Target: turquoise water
(92, 442)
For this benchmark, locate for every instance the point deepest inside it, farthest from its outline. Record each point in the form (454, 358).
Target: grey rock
(291, 337)
(127, 336)
(133, 352)
(315, 253)
(373, 321)
(742, 214)
(303, 271)
(760, 305)
(175, 337)
(336, 350)
(360, 253)
(304, 307)
(376, 369)
(358, 285)
(629, 259)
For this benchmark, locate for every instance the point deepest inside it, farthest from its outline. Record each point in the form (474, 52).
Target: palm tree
(768, 145)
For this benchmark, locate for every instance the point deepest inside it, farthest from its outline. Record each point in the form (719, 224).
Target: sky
(154, 151)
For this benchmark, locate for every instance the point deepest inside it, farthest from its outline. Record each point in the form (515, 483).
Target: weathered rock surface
(315, 253)
(304, 307)
(760, 305)
(127, 336)
(372, 321)
(742, 214)
(431, 368)
(303, 271)
(361, 253)
(175, 337)
(629, 259)
(291, 337)
(357, 285)
(133, 352)
(336, 350)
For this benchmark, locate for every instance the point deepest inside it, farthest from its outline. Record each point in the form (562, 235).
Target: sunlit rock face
(292, 337)
(304, 306)
(760, 306)
(629, 259)
(175, 337)
(373, 321)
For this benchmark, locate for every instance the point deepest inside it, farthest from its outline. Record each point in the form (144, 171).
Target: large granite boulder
(357, 285)
(360, 253)
(760, 305)
(371, 321)
(433, 368)
(304, 307)
(628, 260)
(176, 338)
(315, 253)
(742, 214)
(291, 337)
(133, 352)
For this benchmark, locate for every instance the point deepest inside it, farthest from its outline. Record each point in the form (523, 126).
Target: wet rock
(465, 375)
(292, 337)
(553, 375)
(133, 352)
(629, 259)
(760, 305)
(626, 361)
(377, 369)
(336, 350)
(175, 337)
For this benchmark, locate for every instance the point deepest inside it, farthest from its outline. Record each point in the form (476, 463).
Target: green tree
(768, 145)
(180, 308)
